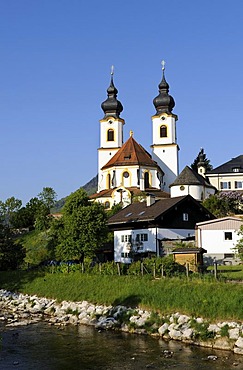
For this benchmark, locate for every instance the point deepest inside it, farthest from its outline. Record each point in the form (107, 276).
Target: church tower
(164, 147)
(111, 132)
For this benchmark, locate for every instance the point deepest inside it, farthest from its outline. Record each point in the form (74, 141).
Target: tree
(201, 157)
(224, 203)
(82, 229)
(239, 245)
(8, 208)
(48, 197)
(12, 252)
(47, 200)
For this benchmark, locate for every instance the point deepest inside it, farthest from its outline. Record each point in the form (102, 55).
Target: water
(45, 347)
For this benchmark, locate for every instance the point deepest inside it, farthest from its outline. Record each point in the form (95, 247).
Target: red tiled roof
(131, 153)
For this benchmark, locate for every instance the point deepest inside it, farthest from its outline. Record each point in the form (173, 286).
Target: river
(45, 347)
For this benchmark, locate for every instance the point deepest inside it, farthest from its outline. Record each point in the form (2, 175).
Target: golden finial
(131, 133)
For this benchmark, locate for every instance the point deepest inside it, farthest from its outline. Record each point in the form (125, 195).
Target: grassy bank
(209, 299)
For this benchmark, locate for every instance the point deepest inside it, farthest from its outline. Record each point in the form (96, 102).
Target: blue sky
(55, 58)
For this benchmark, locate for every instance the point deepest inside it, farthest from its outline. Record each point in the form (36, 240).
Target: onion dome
(111, 106)
(164, 103)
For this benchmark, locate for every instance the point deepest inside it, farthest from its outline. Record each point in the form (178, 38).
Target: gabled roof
(228, 167)
(218, 220)
(141, 212)
(131, 153)
(135, 191)
(190, 177)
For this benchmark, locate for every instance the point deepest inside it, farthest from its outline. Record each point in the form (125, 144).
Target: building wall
(198, 192)
(126, 241)
(216, 242)
(117, 174)
(165, 149)
(229, 181)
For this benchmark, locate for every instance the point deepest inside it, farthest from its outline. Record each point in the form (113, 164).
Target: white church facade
(125, 169)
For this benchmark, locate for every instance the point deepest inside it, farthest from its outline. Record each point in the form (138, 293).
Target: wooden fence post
(154, 270)
(162, 271)
(118, 268)
(215, 266)
(142, 268)
(187, 270)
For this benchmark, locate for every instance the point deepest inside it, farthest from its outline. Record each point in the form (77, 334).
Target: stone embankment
(20, 309)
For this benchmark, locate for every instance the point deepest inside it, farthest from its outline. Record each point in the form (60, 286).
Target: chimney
(150, 199)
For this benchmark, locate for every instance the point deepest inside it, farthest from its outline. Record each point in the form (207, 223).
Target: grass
(209, 299)
(229, 272)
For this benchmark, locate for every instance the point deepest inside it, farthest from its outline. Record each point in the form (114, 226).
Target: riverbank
(22, 309)
(198, 296)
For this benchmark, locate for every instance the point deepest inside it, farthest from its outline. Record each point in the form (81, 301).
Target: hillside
(90, 187)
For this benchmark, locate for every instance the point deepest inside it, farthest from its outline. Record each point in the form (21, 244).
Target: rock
(239, 342)
(175, 334)
(187, 334)
(223, 343)
(163, 329)
(182, 319)
(212, 357)
(234, 333)
(214, 328)
(238, 351)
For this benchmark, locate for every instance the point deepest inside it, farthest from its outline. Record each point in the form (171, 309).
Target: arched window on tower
(110, 135)
(146, 180)
(108, 181)
(163, 131)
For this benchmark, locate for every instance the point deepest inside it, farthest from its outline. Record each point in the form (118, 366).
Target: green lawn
(199, 297)
(229, 272)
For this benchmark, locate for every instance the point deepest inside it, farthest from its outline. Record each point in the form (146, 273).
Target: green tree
(8, 208)
(201, 157)
(224, 203)
(12, 252)
(47, 200)
(82, 229)
(48, 197)
(239, 245)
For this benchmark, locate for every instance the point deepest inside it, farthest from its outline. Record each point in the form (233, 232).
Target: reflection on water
(41, 346)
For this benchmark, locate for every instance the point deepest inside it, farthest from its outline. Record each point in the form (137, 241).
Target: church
(126, 171)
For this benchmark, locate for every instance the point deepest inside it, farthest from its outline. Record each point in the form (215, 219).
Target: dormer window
(110, 135)
(127, 157)
(236, 169)
(163, 131)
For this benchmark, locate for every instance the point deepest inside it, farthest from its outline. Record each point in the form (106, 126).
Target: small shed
(191, 256)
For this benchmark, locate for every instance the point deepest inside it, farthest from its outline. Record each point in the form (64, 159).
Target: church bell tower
(165, 148)
(111, 130)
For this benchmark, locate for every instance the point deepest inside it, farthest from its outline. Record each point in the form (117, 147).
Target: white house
(143, 228)
(228, 176)
(219, 237)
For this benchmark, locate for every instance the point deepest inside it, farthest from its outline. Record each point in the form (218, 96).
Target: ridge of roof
(190, 177)
(139, 211)
(131, 153)
(236, 162)
(234, 218)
